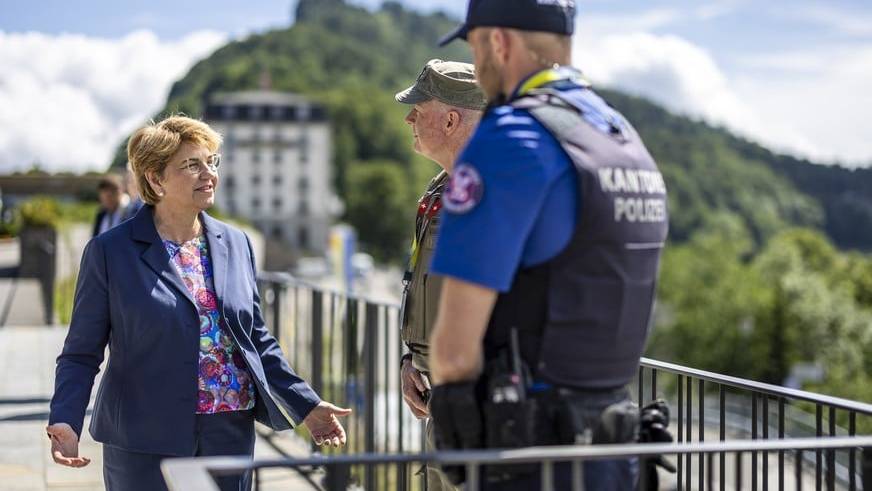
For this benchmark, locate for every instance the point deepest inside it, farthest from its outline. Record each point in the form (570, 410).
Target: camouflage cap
(448, 81)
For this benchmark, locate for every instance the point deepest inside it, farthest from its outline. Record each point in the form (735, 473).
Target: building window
(255, 180)
(303, 184)
(277, 232)
(304, 237)
(277, 203)
(304, 148)
(277, 158)
(303, 113)
(303, 208)
(229, 139)
(277, 179)
(255, 203)
(255, 157)
(228, 111)
(229, 182)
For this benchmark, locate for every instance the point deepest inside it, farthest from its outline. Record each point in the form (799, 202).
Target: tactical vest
(583, 316)
(421, 296)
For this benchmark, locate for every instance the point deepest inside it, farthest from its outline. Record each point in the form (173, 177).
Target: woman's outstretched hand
(324, 426)
(65, 445)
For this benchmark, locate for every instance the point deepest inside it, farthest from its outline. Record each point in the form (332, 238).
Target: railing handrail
(727, 380)
(287, 279)
(769, 389)
(192, 473)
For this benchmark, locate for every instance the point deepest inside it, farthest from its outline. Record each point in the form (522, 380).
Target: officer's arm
(464, 311)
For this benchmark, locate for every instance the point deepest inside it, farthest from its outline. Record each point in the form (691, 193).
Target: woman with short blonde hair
(173, 293)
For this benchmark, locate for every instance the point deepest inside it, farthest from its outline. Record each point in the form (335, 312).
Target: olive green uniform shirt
(421, 299)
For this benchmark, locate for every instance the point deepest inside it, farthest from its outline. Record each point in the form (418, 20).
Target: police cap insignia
(464, 190)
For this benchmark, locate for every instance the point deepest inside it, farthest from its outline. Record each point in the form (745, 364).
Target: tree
(381, 208)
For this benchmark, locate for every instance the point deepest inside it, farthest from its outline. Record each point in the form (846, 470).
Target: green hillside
(756, 277)
(711, 169)
(356, 73)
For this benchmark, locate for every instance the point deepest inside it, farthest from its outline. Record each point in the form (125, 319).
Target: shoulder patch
(464, 190)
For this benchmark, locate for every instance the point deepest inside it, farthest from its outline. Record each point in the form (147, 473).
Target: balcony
(729, 432)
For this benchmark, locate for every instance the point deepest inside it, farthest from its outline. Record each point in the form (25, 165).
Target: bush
(40, 212)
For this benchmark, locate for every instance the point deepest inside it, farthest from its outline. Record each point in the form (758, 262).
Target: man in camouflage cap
(447, 105)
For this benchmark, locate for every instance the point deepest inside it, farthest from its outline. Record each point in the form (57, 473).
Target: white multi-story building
(275, 168)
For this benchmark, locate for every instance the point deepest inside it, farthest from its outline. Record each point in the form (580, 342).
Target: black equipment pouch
(457, 422)
(510, 415)
(585, 418)
(456, 416)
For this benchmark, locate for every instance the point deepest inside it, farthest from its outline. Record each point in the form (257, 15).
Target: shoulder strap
(561, 115)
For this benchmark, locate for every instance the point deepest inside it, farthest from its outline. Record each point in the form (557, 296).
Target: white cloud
(68, 100)
(684, 78)
(811, 101)
(824, 93)
(852, 23)
(717, 9)
(648, 20)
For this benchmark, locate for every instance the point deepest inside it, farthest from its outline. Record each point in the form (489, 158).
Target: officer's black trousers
(603, 475)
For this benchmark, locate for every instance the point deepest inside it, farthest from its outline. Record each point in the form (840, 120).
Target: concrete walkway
(27, 361)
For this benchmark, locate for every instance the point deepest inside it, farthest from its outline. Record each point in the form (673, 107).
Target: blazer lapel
(155, 254)
(218, 251)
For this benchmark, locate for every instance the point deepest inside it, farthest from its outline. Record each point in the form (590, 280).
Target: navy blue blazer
(130, 296)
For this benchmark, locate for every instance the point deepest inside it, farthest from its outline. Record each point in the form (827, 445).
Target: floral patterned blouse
(224, 381)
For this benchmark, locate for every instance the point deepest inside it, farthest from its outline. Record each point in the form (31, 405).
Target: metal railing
(766, 416)
(349, 349)
(199, 473)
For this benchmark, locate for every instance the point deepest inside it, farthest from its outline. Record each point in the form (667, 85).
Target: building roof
(261, 97)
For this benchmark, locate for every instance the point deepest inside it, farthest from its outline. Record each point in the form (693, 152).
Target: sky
(794, 75)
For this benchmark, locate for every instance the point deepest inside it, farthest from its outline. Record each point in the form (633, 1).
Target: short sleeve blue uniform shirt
(512, 201)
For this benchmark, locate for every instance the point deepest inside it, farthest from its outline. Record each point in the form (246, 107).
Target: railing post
(753, 437)
(866, 467)
(317, 347)
(370, 343)
(680, 475)
(781, 408)
(701, 429)
(831, 454)
(402, 474)
(819, 432)
(317, 340)
(852, 453)
(689, 430)
(338, 477)
(278, 292)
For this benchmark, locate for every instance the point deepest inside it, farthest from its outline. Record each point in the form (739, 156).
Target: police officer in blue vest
(553, 225)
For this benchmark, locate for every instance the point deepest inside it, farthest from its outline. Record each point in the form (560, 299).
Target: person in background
(173, 294)
(446, 106)
(132, 191)
(113, 204)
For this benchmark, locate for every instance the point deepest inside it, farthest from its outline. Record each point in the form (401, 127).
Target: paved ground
(27, 367)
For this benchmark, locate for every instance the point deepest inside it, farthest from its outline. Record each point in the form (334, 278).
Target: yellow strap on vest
(550, 75)
(538, 80)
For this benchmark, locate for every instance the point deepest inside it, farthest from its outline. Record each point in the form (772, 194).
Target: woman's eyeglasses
(195, 167)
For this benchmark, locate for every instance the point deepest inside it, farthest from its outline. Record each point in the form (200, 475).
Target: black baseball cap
(557, 16)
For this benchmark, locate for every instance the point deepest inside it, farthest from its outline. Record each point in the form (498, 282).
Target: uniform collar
(549, 76)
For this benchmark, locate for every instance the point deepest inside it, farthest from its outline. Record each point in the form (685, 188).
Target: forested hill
(728, 171)
(353, 60)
